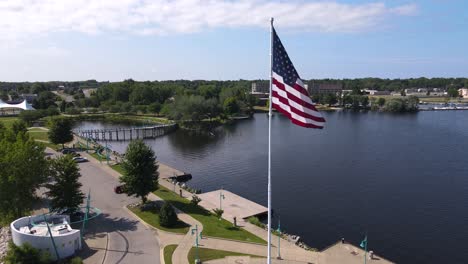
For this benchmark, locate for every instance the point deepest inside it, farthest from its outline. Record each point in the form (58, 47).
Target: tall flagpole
(269, 144)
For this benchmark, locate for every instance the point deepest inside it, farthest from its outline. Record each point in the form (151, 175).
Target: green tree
(29, 116)
(453, 92)
(44, 100)
(330, 99)
(231, 106)
(395, 105)
(19, 127)
(381, 101)
(412, 103)
(364, 101)
(154, 107)
(63, 106)
(140, 170)
(167, 215)
(25, 254)
(23, 170)
(60, 131)
(64, 191)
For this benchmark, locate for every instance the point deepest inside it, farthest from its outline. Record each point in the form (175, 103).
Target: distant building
(324, 88)
(410, 91)
(29, 97)
(376, 92)
(463, 92)
(260, 87)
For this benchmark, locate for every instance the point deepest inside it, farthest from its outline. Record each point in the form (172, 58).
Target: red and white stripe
(295, 103)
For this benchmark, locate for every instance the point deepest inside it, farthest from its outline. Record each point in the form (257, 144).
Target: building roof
(23, 105)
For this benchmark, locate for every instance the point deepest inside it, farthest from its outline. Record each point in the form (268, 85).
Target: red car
(119, 189)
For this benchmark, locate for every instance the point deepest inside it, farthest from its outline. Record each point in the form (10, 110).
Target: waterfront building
(376, 92)
(260, 87)
(463, 92)
(324, 88)
(48, 233)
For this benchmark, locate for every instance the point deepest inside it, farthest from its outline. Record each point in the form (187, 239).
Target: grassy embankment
(206, 254)
(8, 121)
(152, 218)
(212, 226)
(40, 135)
(168, 251)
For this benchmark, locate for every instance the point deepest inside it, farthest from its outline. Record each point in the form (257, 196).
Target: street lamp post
(195, 232)
(279, 238)
(221, 197)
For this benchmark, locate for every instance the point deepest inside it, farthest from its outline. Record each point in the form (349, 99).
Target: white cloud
(20, 18)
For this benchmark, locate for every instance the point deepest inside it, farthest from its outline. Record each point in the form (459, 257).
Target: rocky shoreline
(5, 237)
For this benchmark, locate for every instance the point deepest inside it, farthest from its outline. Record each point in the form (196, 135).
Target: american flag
(289, 95)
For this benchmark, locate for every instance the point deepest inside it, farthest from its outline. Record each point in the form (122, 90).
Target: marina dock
(232, 204)
(168, 172)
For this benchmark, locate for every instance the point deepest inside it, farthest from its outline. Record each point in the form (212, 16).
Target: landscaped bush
(255, 221)
(218, 212)
(167, 216)
(25, 254)
(195, 199)
(152, 206)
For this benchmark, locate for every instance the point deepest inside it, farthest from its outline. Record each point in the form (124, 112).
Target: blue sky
(218, 40)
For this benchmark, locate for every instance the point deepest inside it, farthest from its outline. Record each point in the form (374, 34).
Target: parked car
(119, 189)
(80, 159)
(68, 151)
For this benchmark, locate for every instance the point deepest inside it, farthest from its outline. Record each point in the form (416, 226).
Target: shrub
(255, 221)
(167, 216)
(76, 260)
(195, 199)
(25, 254)
(218, 212)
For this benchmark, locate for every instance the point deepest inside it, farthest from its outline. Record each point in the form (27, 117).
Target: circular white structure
(35, 231)
(23, 105)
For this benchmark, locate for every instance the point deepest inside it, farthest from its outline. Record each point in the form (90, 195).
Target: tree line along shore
(190, 102)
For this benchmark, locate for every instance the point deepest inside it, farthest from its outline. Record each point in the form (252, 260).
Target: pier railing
(122, 134)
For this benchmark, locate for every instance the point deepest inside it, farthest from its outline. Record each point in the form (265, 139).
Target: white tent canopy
(23, 105)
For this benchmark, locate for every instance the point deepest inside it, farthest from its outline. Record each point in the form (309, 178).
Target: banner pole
(269, 144)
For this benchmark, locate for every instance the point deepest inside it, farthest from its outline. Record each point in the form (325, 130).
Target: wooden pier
(123, 134)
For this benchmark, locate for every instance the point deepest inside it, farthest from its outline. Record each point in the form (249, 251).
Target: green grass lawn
(8, 121)
(168, 251)
(212, 226)
(38, 134)
(206, 254)
(118, 168)
(152, 218)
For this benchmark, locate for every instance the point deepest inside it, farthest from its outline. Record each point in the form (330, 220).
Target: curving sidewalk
(180, 255)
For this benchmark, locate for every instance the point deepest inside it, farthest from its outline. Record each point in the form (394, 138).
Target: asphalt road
(129, 241)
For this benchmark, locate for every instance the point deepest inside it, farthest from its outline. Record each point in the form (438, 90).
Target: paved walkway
(232, 204)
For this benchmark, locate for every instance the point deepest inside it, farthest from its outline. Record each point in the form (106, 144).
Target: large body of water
(402, 179)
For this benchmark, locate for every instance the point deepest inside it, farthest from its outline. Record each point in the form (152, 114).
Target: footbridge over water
(122, 134)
